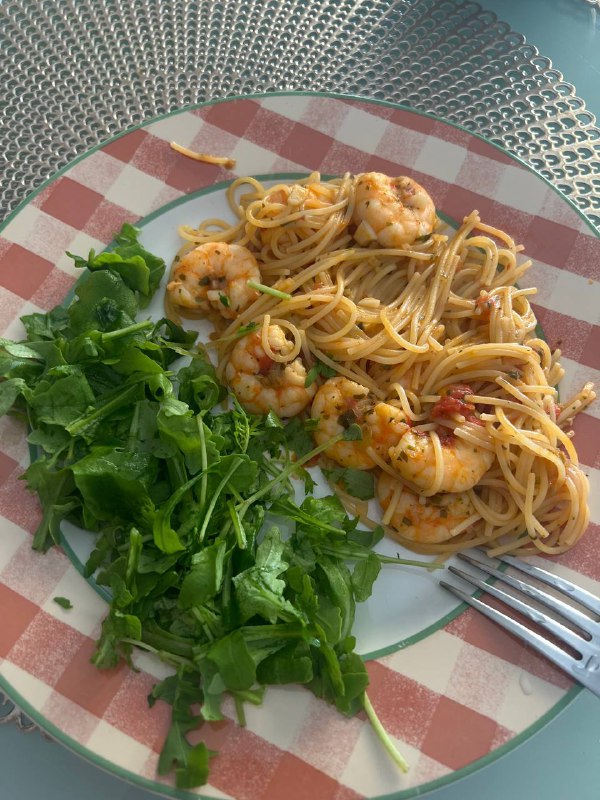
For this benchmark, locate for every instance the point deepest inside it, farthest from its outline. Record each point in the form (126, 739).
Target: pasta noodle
(429, 322)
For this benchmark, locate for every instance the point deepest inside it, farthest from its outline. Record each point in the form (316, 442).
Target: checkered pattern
(470, 677)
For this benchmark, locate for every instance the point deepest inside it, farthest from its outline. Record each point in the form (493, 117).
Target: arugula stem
(204, 623)
(40, 538)
(70, 446)
(120, 398)
(242, 431)
(176, 471)
(133, 556)
(355, 555)
(384, 736)
(133, 428)
(164, 655)
(244, 330)
(204, 460)
(236, 494)
(215, 497)
(260, 287)
(309, 520)
(239, 710)
(285, 473)
(408, 562)
(240, 534)
(253, 696)
(165, 642)
(43, 530)
(120, 332)
(278, 630)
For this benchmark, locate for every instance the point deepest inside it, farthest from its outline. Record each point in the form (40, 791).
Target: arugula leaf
(107, 405)
(335, 580)
(234, 661)
(134, 360)
(140, 270)
(61, 397)
(181, 432)
(50, 438)
(357, 482)
(103, 302)
(198, 385)
(364, 576)
(190, 762)
(366, 538)
(259, 589)
(10, 390)
(298, 436)
(319, 369)
(355, 679)
(353, 433)
(165, 538)
(290, 664)
(114, 485)
(55, 488)
(18, 349)
(172, 340)
(131, 268)
(328, 510)
(46, 326)
(205, 577)
(63, 602)
(111, 648)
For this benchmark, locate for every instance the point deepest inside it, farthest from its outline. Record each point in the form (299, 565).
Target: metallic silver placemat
(74, 72)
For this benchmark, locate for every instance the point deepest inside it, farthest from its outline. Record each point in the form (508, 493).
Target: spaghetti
(420, 335)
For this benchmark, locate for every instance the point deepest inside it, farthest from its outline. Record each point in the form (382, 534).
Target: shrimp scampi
(420, 521)
(214, 277)
(440, 462)
(263, 383)
(340, 403)
(391, 211)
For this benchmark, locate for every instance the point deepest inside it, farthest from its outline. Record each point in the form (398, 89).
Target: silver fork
(584, 666)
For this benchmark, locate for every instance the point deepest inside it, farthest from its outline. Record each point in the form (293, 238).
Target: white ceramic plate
(454, 691)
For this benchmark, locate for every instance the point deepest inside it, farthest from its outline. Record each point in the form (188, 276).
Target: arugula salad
(211, 562)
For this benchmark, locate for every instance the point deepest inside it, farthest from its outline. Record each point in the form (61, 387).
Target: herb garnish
(359, 483)
(318, 369)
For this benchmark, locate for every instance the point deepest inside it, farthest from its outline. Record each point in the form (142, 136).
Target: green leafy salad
(210, 562)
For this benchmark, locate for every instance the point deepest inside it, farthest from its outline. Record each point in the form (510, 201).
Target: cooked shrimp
(391, 211)
(386, 426)
(340, 403)
(262, 384)
(440, 463)
(434, 520)
(215, 276)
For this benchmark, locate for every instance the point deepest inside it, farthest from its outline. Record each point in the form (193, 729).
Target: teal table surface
(565, 31)
(561, 760)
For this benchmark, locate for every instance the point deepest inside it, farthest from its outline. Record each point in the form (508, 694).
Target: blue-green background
(562, 760)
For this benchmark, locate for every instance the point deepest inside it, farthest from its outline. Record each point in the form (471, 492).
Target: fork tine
(588, 600)
(569, 613)
(543, 646)
(555, 628)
